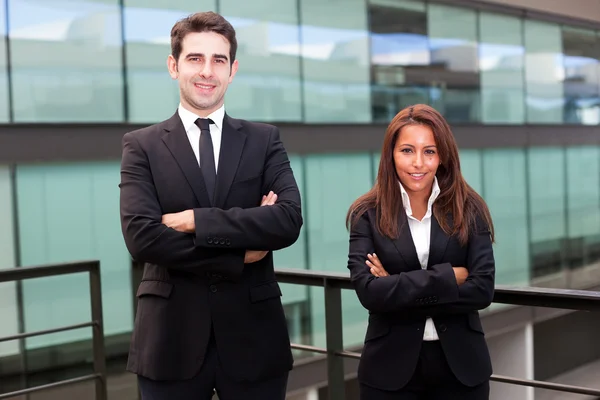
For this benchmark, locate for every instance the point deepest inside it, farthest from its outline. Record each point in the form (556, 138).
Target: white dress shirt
(192, 130)
(421, 234)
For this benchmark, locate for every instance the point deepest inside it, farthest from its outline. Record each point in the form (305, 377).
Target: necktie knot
(204, 123)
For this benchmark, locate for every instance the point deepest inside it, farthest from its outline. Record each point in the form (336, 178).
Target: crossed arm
(456, 289)
(169, 240)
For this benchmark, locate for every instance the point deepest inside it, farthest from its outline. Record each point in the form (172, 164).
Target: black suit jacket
(195, 282)
(400, 303)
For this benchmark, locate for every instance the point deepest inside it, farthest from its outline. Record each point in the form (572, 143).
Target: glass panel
(399, 56)
(501, 57)
(333, 183)
(267, 85)
(505, 193)
(67, 213)
(544, 72)
(4, 110)
(148, 26)
(470, 166)
(66, 61)
(583, 191)
(295, 255)
(454, 66)
(8, 295)
(582, 76)
(335, 61)
(547, 204)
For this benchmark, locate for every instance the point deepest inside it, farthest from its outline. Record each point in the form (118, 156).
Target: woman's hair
(456, 197)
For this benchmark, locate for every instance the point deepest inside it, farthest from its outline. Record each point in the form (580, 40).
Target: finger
(374, 270)
(268, 198)
(376, 261)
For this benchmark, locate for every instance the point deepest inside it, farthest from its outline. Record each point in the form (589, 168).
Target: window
(66, 61)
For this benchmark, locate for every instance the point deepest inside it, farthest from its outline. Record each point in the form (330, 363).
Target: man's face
(204, 71)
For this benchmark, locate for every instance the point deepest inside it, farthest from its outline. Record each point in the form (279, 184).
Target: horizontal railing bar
(570, 299)
(498, 378)
(311, 349)
(44, 271)
(47, 332)
(51, 386)
(546, 385)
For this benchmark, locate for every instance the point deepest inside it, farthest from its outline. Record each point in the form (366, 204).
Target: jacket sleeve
(477, 292)
(146, 238)
(393, 293)
(258, 228)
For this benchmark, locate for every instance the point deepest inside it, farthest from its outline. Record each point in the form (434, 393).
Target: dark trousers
(212, 378)
(433, 380)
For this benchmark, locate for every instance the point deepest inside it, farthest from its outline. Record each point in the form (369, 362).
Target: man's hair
(202, 22)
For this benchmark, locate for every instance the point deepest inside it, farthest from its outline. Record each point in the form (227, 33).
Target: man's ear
(172, 66)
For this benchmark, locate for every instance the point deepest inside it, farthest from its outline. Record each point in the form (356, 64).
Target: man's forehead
(208, 43)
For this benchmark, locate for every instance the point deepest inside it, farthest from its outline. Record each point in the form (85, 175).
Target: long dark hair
(456, 197)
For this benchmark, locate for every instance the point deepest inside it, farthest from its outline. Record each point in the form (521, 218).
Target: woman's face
(416, 159)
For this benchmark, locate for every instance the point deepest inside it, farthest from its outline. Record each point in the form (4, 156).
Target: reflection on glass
(544, 72)
(501, 57)
(583, 204)
(453, 44)
(335, 61)
(267, 86)
(400, 56)
(66, 61)
(504, 188)
(8, 293)
(67, 213)
(152, 95)
(547, 206)
(4, 106)
(333, 183)
(582, 76)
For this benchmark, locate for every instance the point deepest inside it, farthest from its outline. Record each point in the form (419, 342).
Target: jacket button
(443, 328)
(222, 241)
(213, 288)
(209, 240)
(227, 242)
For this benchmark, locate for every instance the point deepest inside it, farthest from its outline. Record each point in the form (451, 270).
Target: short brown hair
(456, 197)
(202, 22)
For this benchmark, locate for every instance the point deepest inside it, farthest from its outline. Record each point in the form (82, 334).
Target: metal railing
(93, 267)
(333, 283)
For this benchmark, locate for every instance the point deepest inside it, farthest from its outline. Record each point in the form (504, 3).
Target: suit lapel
(178, 144)
(437, 243)
(232, 144)
(405, 245)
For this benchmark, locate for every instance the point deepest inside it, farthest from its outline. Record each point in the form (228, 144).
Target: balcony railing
(93, 268)
(333, 284)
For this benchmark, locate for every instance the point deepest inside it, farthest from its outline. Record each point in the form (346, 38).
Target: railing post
(98, 331)
(335, 341)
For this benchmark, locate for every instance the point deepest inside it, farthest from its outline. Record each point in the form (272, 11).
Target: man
(205, 198)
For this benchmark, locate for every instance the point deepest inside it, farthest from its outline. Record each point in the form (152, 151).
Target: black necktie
(207, 157)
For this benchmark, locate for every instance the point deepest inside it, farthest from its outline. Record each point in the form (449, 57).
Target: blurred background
(519, 80)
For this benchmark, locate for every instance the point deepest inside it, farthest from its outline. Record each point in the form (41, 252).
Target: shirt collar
(435, 191)
(188, 118)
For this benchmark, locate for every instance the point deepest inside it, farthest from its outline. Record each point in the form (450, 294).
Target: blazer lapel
(178, 144)
(405, 245)
(232, 144)
(437, 243)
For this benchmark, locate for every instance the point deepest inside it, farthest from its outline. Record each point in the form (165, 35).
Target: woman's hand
(375, 265)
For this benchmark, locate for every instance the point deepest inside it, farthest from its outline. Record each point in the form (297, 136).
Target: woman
(421, 262)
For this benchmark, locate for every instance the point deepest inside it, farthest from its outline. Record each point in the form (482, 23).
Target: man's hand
(182, 221)
(253, 256)
(461, 274)
(376, 266)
